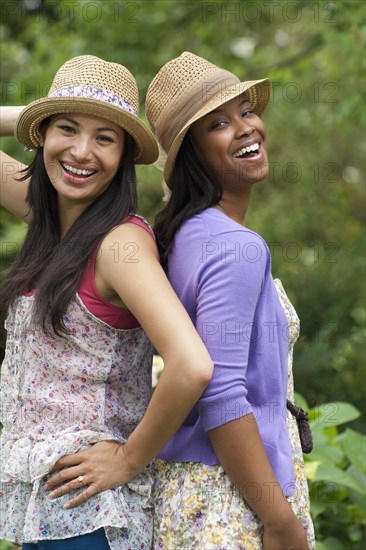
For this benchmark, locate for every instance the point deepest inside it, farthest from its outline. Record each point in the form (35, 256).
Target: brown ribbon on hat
(180, 111)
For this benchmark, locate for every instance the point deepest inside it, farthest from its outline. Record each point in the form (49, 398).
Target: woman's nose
(244, 127)
(82, 148)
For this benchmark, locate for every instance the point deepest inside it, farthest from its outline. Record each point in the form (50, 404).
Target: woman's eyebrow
(103, 129)
(63, 117)
(106, 129)
(243, 100)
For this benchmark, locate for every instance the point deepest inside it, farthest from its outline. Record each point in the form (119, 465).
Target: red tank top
(114, 316)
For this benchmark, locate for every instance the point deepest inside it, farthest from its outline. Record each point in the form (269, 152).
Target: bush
(336, 473)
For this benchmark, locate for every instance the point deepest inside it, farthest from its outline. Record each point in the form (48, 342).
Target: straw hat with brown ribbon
(89, 85)
(184, 90)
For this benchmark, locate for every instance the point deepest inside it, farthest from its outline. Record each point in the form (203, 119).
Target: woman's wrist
(278, 516)
(131, 460)
(8, 118)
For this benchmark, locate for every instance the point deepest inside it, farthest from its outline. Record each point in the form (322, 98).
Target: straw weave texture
(173, 82)
(88, 70)
(89, 85)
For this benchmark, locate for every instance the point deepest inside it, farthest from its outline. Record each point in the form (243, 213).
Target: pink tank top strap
(141, 222)
(114, 316)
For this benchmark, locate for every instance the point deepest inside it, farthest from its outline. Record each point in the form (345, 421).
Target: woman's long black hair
(194, 188)
(54, 267)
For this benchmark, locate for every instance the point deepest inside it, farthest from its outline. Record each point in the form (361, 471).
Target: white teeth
(248, 149)
(77, 171)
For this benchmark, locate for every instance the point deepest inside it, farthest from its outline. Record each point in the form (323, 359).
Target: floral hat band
(89, 85)
(95, 93)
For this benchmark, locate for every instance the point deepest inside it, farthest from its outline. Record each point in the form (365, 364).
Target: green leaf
(4, 545)
(354, 533)
(354, 447)
(329, 453)
(359, 478)
(330, 543)
(319, 438)
(325, 471)
(333, 414)
(311, 467)
(301, 401)
(317, 508)
(358, 499)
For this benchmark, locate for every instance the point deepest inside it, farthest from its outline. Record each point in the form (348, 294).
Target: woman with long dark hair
(236, 460)
(87, 300)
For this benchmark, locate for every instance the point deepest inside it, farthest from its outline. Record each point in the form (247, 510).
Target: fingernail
(52, 495)
(66, 506)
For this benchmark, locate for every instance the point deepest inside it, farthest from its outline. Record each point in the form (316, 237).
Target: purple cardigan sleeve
(228, 288)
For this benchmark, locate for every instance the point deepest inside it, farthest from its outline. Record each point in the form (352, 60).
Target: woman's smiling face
(82, 154)
(232, 139)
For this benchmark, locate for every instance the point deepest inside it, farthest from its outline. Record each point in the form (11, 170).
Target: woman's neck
(234, 207)
(68, 214)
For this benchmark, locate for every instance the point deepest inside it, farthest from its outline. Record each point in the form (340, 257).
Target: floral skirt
(196, 507)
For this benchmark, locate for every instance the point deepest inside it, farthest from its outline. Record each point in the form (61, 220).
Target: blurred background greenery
(311, 208)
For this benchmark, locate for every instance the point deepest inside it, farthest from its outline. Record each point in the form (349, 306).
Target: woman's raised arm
(12, 191)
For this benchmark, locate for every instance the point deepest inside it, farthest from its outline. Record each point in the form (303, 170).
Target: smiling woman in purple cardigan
(233, 475)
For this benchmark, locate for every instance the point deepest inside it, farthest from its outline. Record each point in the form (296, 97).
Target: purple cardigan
(221, 271)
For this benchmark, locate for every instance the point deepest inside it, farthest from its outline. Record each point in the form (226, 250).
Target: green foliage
(310, 209)
(336, 472)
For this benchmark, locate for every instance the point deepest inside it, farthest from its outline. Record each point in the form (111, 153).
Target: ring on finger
(81, 479)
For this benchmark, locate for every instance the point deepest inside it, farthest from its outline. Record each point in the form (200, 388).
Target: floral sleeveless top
(59, 396)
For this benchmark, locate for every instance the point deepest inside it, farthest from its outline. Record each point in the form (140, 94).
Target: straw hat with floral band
(186, 89)
(87, 84)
